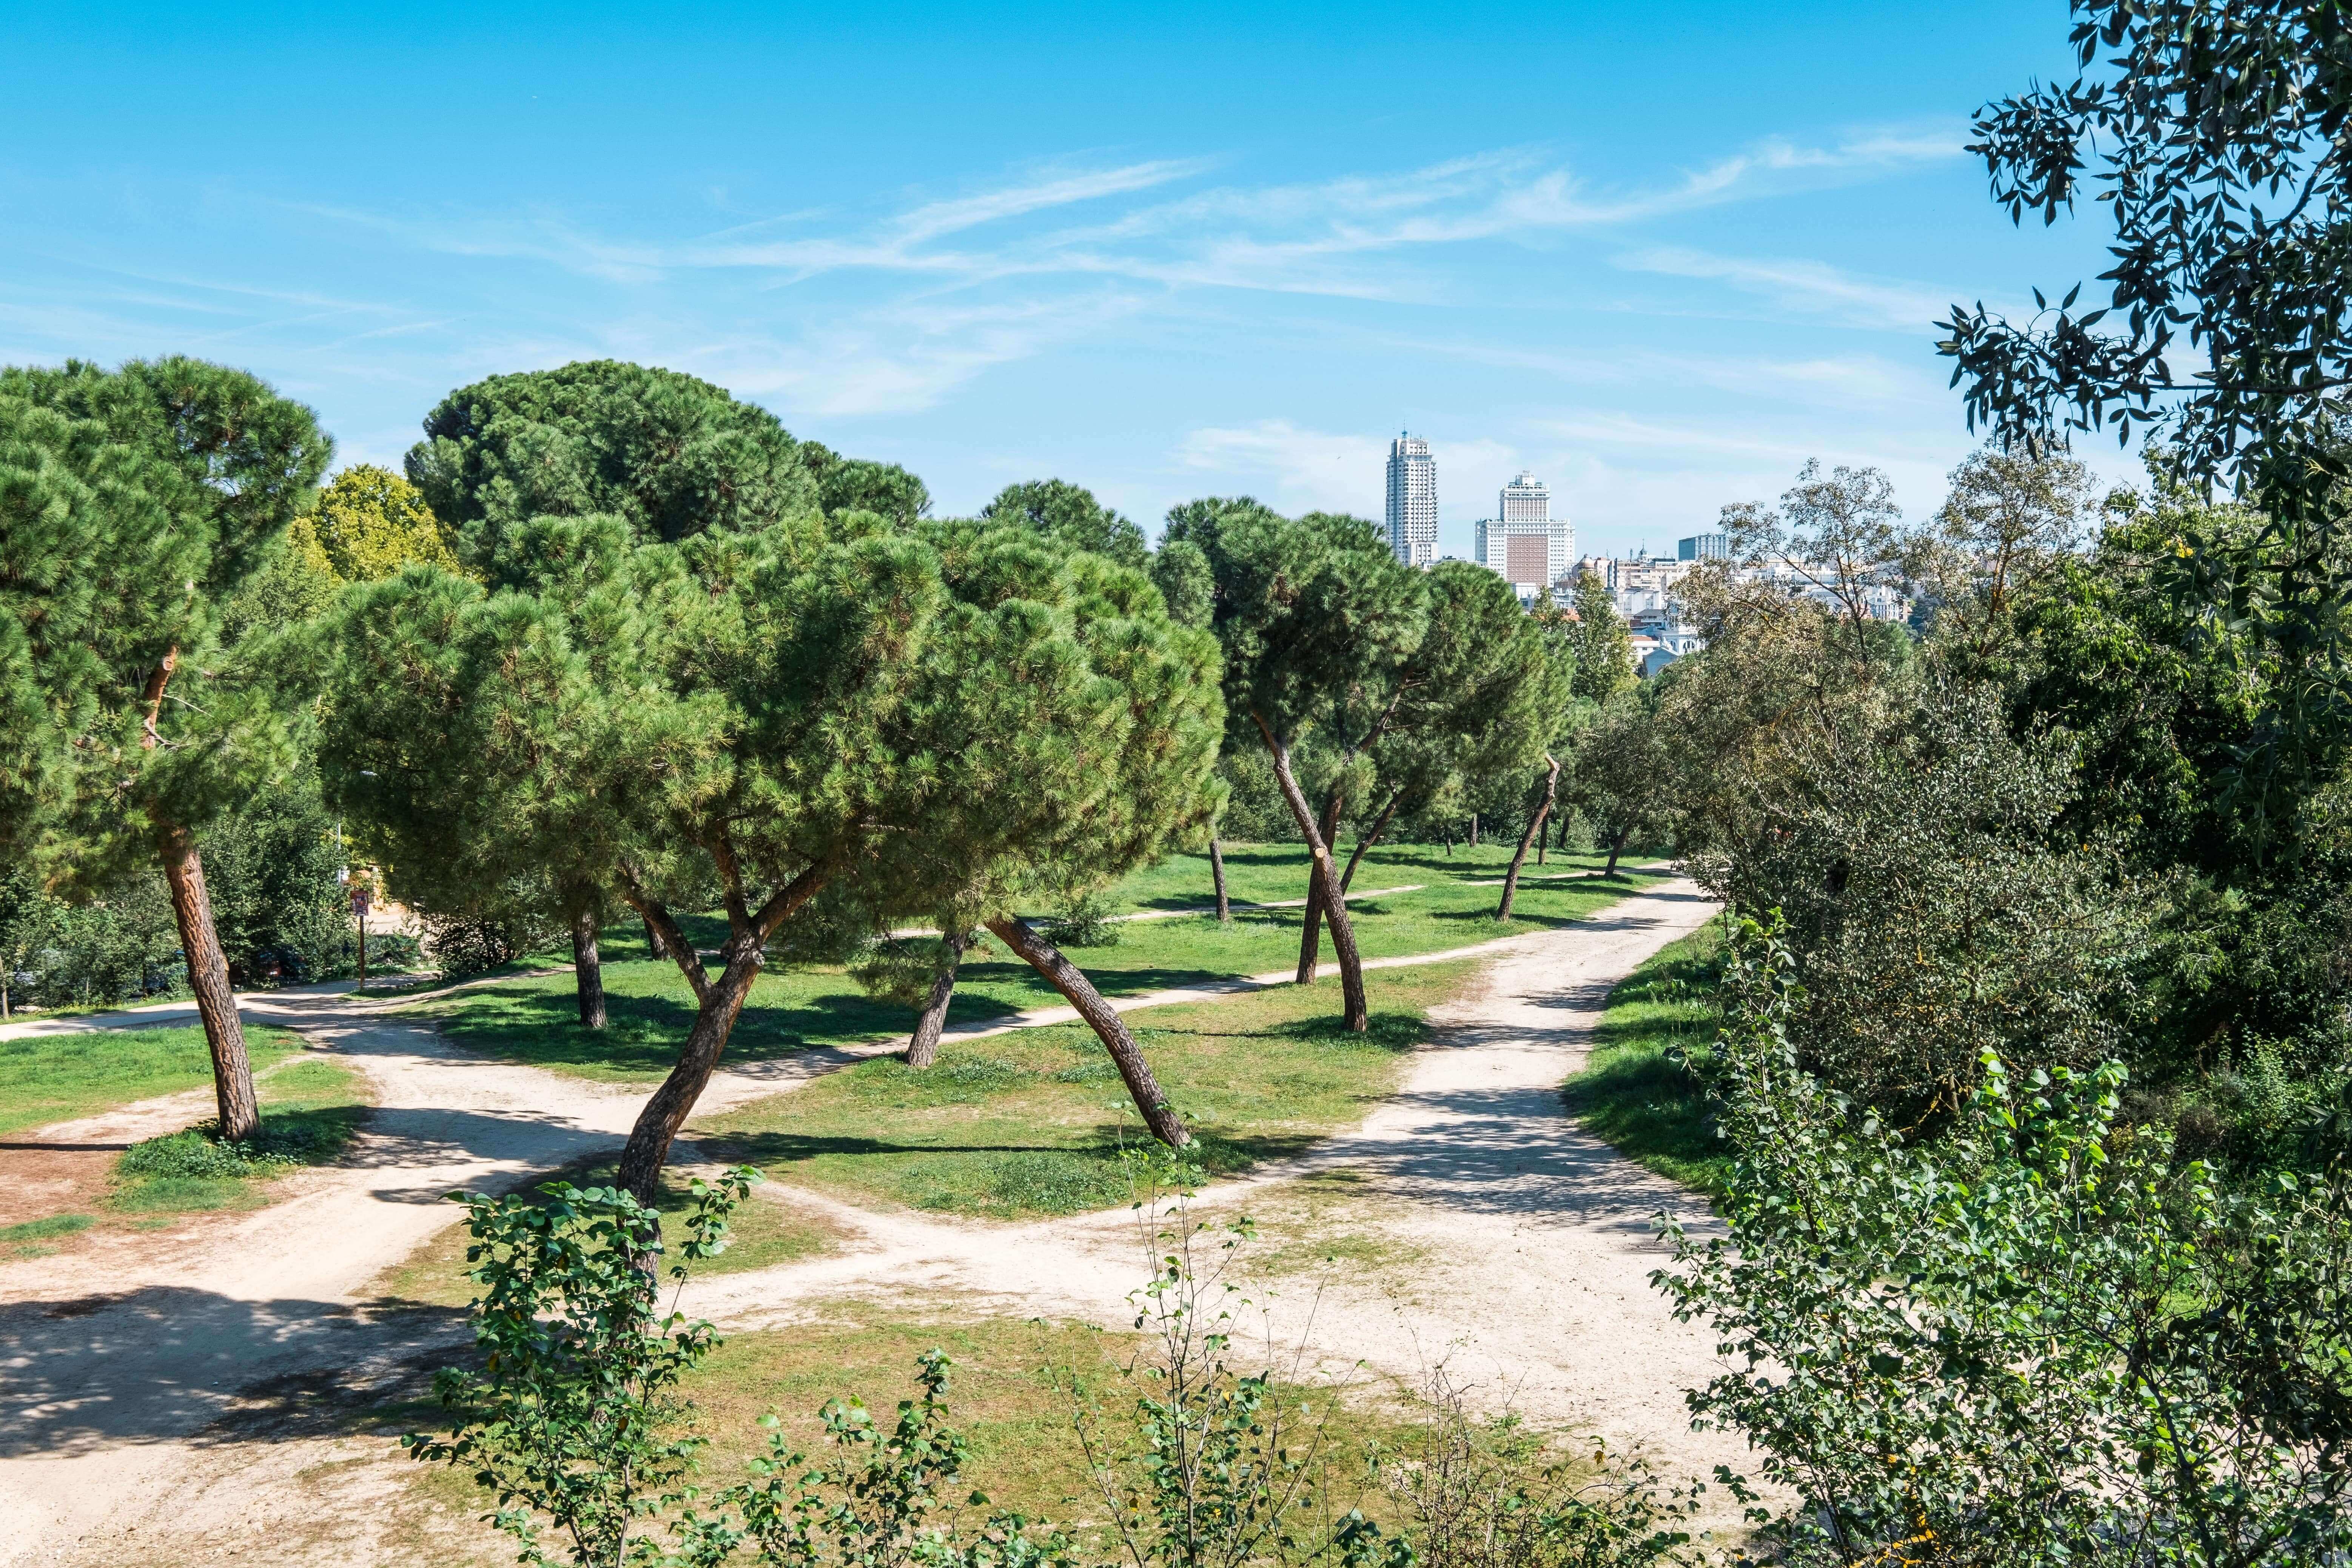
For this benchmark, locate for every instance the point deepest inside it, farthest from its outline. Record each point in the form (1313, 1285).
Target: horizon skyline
(1158, 256)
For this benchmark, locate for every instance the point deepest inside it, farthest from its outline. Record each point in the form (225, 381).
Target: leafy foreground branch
(2040, 1337)
(577, 1424)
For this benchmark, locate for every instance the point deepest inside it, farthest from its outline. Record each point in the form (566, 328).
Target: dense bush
(2042, 1337)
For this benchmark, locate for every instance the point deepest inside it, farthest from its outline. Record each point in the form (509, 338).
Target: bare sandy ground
(1529, 1244)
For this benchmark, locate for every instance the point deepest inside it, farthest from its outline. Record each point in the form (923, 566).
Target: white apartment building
(1412, 501)
(1531, 549)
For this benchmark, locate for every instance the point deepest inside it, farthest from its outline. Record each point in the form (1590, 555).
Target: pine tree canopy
(664, 453)
(939, 716)
(133, 504)
(1071, 514)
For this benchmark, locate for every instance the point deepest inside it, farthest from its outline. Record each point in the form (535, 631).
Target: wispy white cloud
(1300, 238)
(1813, 288)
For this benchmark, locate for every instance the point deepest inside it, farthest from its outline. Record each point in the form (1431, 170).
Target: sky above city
(1660, 255)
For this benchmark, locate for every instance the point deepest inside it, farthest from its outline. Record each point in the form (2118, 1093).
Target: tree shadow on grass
(643, 1034)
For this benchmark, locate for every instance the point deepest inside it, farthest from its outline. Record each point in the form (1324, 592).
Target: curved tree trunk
(655, 947)
(923, 1048)
(1311, 930)
(1617, 848)
(1380, 825)
(192, 907)
(1079, 992)
(1217, 872)
(587, 970)
(718, 1003)
(1535, 831)
(1343, 935)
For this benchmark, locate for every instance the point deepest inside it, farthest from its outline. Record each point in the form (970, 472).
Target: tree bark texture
(1473, 830)
(1534, 832)
(1079, 992)
(1311, 930)
(1380, 825)
(1616, 847)
(192, 906)
(1217, 872)
(718, 1003)
(655, 948)
(923, 1049)
(587, 970)
(1343, 935)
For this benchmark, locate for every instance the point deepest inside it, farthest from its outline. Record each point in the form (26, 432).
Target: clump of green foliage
(579, 1423)
(2044, 1336)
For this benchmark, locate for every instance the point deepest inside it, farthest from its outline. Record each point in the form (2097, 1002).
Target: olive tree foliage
(835, 719)
(1598, 640)
(2009, 521)
(2040, 1337)
(1934, 918)
(2214, 137)
(1315, 616)
(1071, 514)
(135, 504)
(1837, 538)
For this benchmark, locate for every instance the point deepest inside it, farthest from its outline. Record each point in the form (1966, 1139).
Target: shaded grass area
(533, 1019)
(309, 1109)
(766, 1229)
(1035, 1122)
(1639, 1091)
(62, 1078)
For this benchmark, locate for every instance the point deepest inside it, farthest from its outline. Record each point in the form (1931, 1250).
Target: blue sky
(1660, 254)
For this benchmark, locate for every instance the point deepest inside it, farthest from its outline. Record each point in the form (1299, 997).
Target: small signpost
(360, 902)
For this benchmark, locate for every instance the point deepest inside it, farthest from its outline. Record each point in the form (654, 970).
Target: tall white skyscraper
(1412, 501)
(1528, 546)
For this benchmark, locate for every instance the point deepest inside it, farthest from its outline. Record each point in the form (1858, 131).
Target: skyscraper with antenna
(1412, 501)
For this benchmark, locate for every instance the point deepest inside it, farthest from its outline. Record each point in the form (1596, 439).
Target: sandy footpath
(1532, 1248)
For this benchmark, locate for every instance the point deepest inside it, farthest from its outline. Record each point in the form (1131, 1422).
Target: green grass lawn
(533, 1018)
(61, 1077)
(1033, 1122)
(1633, 1093)
(309, 1109)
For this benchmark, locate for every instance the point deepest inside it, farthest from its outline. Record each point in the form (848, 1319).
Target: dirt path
(1522, 1245)
(1532, 1245)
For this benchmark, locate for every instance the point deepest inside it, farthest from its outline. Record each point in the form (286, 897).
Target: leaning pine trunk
(1380, 825)
(1079, 991)
(1535, 831)
(1343, 935)
(1217, 872)
(1310, 931)
(718, 1003)
(923, 1049)
(192, 908)
(184, 868)
(655, 948)
(587, 970)
(1617, 848)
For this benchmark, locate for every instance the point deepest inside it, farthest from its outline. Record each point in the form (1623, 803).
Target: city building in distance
(1412, 501)
(1531, 549)
(1704, 547)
